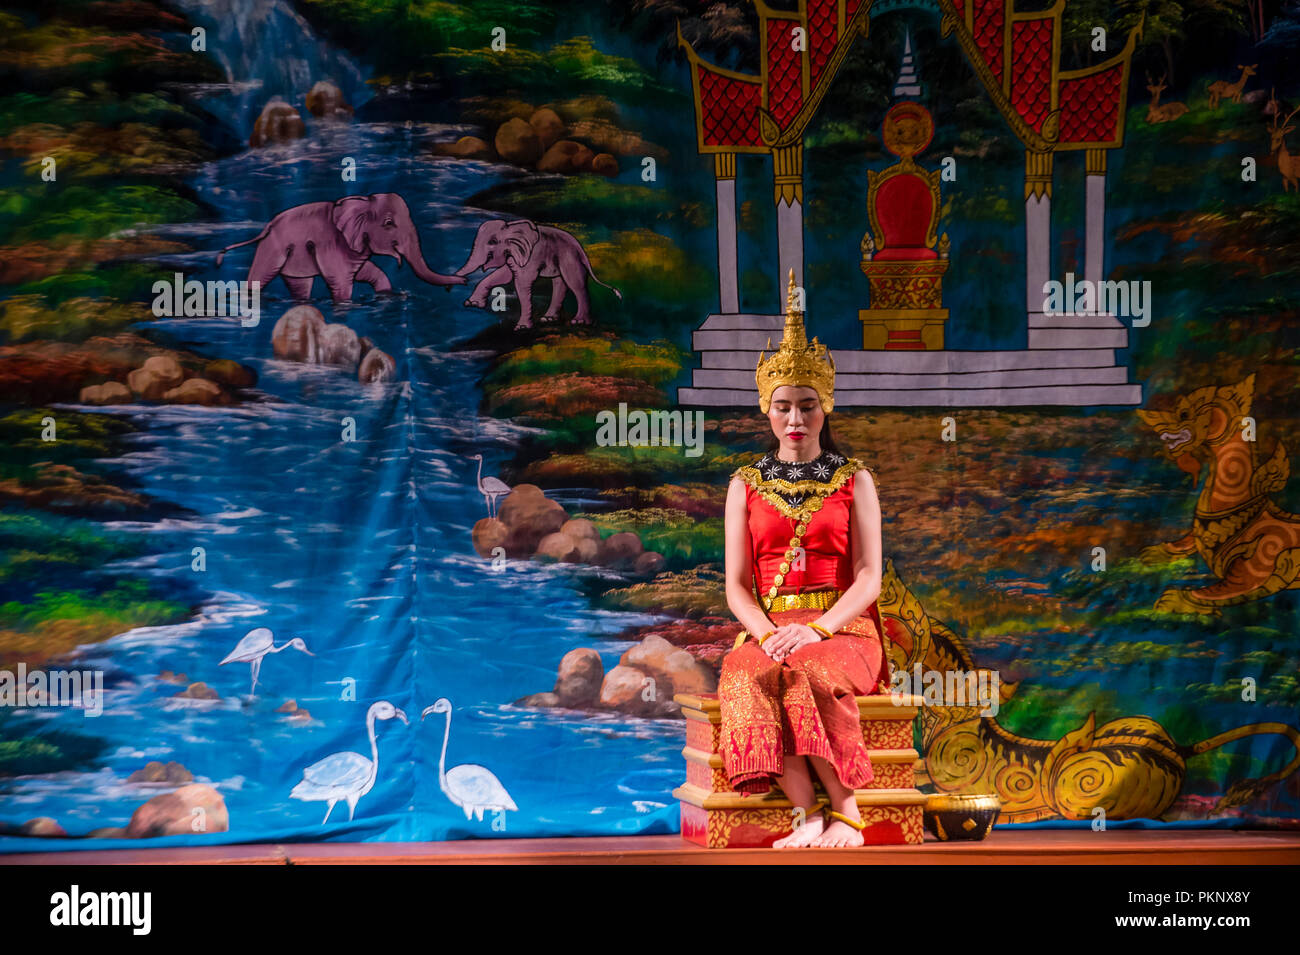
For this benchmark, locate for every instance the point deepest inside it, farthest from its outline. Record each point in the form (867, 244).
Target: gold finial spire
(794, 329)
(796, 362)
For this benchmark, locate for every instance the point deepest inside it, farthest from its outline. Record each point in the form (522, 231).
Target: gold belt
(812, 600)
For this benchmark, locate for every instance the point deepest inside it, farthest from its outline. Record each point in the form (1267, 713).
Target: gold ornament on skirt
(796, 362)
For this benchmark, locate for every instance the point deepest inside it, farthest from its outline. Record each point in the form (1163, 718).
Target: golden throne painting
(899, 255)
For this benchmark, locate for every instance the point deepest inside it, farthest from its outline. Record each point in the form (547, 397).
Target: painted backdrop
(372, 375)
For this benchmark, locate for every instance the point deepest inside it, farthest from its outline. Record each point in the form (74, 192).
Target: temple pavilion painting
(432, 548)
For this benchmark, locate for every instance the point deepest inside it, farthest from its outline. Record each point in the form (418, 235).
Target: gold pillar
(1038, 174)
(787, 174)
(1094, 162)
(724, 165)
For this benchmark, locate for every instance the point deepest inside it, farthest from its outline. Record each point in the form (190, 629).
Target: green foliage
(123, 282)
(1280, 689)
(28, 317)
(574, 65)
(654, 363)
(989, 204)
(591, 200)
(698, 592)
(1048, 713)
(1161, 20)
(638, 262)
(58, 53)
(46, 752)
(129, 603)
(101, 106)
(682, 539)
(401, 35)
(1079, 658)
(836, 133)
(1166, 23)
(82, 437)
(86, 211)
(642, 466)
(36, 546)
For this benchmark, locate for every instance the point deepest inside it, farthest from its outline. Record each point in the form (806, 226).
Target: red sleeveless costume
(804, 704)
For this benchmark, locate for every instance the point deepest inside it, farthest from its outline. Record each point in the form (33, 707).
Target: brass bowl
(952, 816)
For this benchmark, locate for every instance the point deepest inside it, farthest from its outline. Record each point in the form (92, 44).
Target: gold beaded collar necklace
(797, 490)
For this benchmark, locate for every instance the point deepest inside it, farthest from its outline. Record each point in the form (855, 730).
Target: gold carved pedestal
(716, 817)
(906, 310)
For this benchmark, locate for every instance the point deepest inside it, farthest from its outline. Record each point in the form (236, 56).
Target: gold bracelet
(826, 634)
(745, 635)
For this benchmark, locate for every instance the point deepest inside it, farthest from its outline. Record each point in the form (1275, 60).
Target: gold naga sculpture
(1129, 767)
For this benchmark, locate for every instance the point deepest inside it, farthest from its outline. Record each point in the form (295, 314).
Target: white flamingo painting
(257, 644)
(491, 488)
(346, 776)
(473, 788)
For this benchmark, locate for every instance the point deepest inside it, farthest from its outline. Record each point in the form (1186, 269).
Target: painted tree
(1167, 23)
(1078, 21)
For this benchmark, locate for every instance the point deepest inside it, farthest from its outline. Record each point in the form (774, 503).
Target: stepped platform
(1070, 362)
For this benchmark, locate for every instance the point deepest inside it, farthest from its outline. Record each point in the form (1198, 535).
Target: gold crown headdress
(796, 362)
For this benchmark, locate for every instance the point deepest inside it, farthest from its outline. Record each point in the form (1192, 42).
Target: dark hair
(826, 440)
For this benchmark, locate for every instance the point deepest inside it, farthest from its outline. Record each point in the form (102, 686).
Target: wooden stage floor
(1011, 847)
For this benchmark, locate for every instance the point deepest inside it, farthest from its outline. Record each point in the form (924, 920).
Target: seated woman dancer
(803, 569)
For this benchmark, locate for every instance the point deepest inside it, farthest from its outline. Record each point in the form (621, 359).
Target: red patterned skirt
(803, 705)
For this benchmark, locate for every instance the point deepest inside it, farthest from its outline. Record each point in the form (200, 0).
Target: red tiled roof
(988, 21)
(1031, 70)
(1090, 106)
(784, 80)
(729, 109)
(822, 35)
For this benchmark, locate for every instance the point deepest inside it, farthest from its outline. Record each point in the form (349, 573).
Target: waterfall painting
(372, 375)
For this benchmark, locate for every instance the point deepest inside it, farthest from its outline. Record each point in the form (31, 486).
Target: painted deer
(1222, 89)
(1157, 113)
(1287, 165)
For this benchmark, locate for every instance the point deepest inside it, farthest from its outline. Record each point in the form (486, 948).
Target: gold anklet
(856, 824)
(814, 808)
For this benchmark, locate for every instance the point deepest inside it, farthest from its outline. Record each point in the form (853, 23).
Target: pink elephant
(523, 252)
(335, 240)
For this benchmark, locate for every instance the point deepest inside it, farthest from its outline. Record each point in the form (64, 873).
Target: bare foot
(838, 834)
(802, 835)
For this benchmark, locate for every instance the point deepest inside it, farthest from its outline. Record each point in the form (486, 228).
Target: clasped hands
(786, 639)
